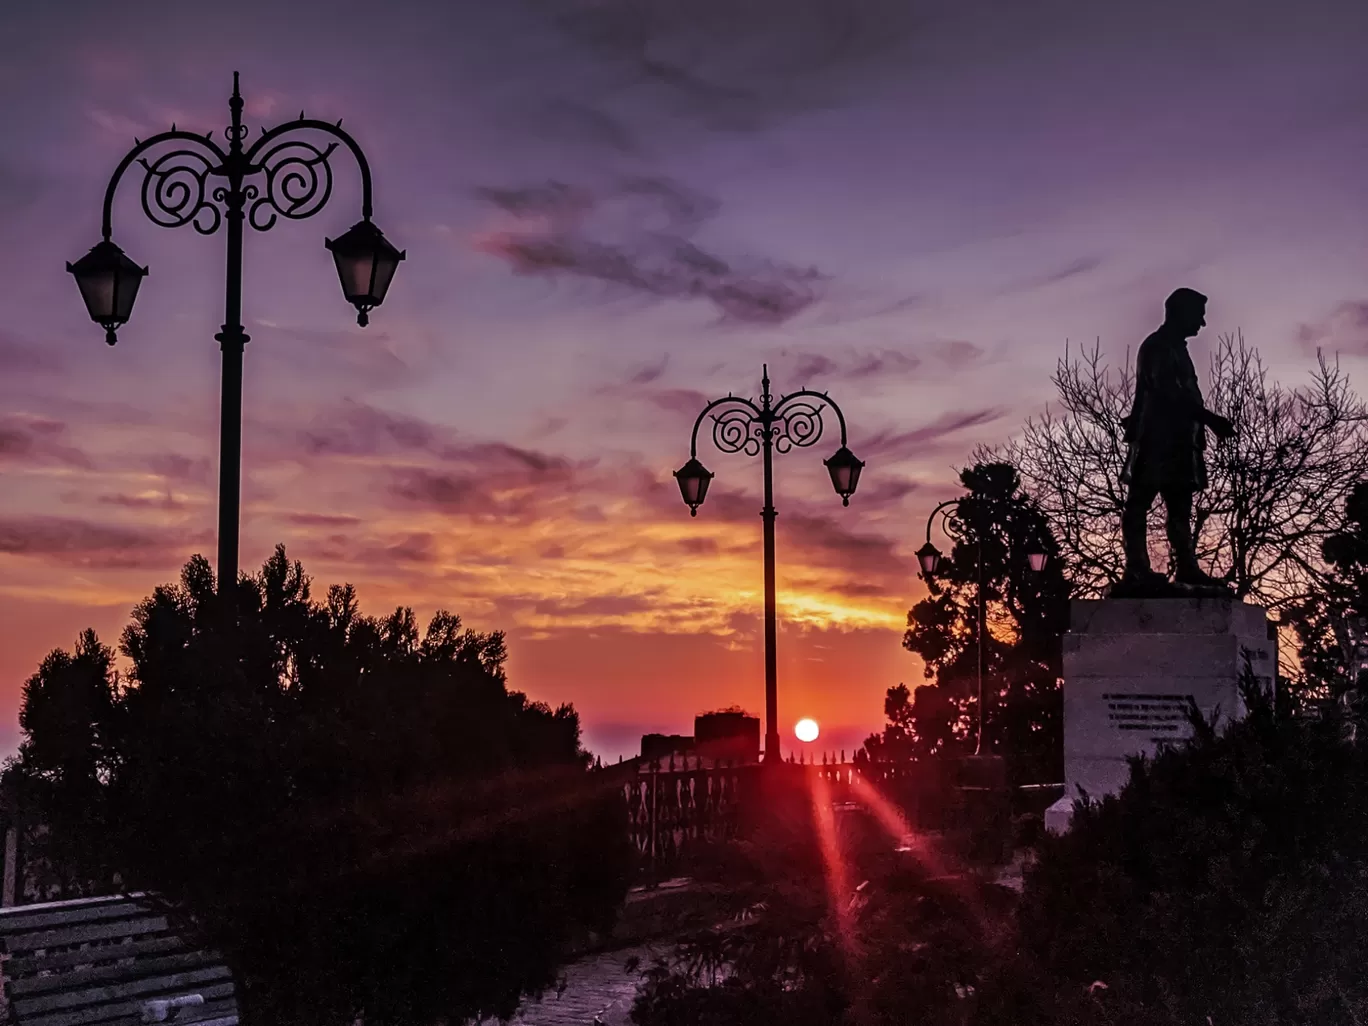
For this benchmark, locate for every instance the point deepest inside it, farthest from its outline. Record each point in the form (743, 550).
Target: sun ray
(840, 894)
(939, 865)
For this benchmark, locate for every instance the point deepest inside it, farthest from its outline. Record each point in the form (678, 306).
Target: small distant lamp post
(284, 173)
(761, 430)
(929, 557)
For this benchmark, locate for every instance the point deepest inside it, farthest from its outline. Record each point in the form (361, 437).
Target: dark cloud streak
(910, 444)
(736, 65)
(1344, 330)
(85, 543)
(18, 356)
(638, 238)
(30, 440)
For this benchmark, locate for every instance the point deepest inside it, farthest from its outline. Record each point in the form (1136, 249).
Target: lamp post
(293, 180)
(743, 426)
(929, 557)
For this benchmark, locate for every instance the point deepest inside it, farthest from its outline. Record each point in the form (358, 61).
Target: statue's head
(1185, 311)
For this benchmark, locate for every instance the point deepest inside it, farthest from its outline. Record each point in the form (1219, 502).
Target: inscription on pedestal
(1162, 716)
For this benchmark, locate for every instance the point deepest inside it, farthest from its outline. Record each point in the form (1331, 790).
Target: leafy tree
(1275, 488)
(921, 724)
(1331, 624)
(359, 814)
(67, 719)
(1026, 613)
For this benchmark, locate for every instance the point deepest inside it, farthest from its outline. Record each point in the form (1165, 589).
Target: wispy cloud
(738, 64)
(355, 428)
(151, 500)
(177, 467)
(18, 356)
(31, 440)
(416, 548)
(1343, 330)
(77, 542)
(638, 239)
(493, 481)
(827, 542)
(858, 364)
(306, 519)
(649, 372)
(908, 444)
(373, 358)
(861, 365)
(1076, 268)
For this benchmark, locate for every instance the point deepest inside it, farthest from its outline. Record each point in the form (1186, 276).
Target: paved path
(597, 986)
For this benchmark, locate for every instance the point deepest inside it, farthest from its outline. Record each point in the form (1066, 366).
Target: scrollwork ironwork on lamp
(286, 173)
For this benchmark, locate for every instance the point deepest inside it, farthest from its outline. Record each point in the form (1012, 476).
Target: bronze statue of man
(1166, 436)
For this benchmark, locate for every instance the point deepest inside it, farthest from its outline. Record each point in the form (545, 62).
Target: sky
(614, 211)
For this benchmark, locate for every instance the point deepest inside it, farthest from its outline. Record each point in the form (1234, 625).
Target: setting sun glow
(806, 730)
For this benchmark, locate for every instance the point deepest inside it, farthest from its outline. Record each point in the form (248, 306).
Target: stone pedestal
(1130, 665)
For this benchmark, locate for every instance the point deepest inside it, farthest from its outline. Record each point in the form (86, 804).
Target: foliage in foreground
(360, 816)
(1226, 884)
(1229, 880)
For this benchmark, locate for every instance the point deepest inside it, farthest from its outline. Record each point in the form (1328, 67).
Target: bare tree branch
(1274, 490)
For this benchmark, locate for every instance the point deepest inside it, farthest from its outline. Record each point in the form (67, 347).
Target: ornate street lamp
(284, 173)
(929, 557)
(693, 479)
(109, 282)
(761, 430)
(844, 469)
(366, 263)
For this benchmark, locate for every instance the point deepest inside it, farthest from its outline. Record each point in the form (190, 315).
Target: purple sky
(614, 210)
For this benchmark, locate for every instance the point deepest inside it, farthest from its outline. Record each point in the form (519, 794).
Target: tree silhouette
(921, 723)
(1331, 624)
(359, 814)
(1027, 613)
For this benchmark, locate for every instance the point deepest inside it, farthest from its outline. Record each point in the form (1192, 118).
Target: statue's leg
(1178, 504)
(1134, 529)
(1178, 527)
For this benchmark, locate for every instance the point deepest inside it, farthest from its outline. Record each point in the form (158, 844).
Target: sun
(806, 730)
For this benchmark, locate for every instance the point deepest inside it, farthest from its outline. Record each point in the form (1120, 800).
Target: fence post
(655, 790)
(11, 857)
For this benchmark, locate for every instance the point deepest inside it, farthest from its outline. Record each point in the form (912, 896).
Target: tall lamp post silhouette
(739, 425)
(965, 530)
(294, 181)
